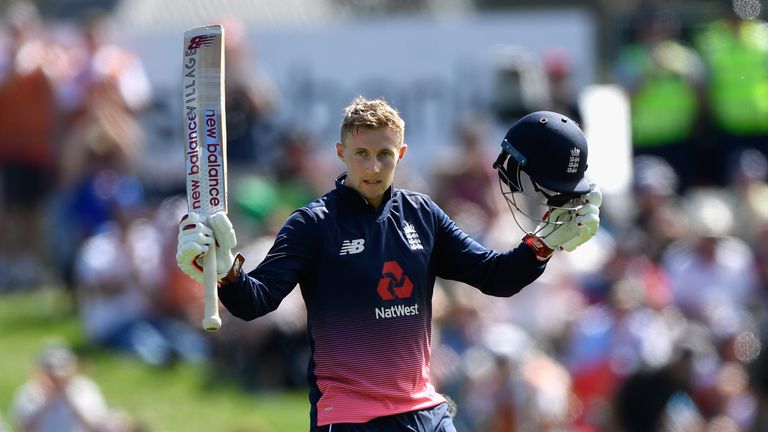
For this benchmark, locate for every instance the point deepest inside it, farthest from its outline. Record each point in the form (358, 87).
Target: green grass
(181, 398)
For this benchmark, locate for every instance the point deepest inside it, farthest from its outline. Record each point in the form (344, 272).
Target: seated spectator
(118, 275)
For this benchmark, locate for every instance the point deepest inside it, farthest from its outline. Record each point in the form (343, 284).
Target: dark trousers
(436, 419)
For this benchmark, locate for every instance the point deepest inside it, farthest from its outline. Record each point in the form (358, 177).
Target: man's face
(371, 156)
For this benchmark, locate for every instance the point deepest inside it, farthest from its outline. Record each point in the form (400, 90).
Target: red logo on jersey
(394, 284)
(200, 41)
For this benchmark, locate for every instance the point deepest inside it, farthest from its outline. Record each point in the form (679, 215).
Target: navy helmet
(544, 159)
(552, 150)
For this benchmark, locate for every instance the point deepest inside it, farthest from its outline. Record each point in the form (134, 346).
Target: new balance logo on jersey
(352, 246)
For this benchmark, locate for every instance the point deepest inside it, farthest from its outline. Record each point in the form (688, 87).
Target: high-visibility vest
(737, 62)
(664, 107)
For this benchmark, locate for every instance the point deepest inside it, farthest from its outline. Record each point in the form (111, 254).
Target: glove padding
(568, 229)
(196, 235)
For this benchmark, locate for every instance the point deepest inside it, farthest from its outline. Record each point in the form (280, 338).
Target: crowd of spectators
(656, 325)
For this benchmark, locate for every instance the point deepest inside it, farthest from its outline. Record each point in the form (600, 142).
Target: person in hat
(366, 256)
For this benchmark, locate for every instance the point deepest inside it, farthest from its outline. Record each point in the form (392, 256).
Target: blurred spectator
(59, 398)
(27, 150)
(465, 182)
(734, 404)
(103, 74)
(520, 84)
(660, 399)
(252, 102)
(629, 260)
(562, 95)
(748, 176)
(658, 219)
(664, 78)
(734, 48)
(519, 387)
(457, 357)
(296, 176)
(712, 273)
(613, 339)
(98, 166)
(301, 175)
(120, 277)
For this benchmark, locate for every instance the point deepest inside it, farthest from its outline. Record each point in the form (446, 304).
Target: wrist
(234, 271)
(542, 251)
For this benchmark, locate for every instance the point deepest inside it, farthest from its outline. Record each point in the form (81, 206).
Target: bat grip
(211, 319)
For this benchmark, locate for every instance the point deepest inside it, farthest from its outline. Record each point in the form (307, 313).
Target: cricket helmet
(544, 158)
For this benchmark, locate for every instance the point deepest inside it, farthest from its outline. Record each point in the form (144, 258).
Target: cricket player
(366, 256)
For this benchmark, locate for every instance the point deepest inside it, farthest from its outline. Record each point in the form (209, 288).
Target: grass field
(180, 398)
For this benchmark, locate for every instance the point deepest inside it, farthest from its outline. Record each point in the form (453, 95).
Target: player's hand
(196, 235)
(567, 229)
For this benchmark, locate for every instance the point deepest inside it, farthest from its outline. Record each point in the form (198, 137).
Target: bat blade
(205, 142)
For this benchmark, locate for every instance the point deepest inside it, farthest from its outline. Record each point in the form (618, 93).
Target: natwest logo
(394, 284)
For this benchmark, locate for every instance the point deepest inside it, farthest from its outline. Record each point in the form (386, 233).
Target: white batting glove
(587, 219)
(567, 229)
(196, 235)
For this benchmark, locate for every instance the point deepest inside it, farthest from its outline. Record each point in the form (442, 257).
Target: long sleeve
(459, 257)
(289, 260)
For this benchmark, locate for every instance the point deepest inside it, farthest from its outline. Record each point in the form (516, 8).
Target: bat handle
(211, 319)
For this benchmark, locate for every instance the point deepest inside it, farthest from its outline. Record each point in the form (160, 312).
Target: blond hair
(371, 114)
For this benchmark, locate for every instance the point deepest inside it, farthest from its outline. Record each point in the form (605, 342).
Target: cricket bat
(205, 142)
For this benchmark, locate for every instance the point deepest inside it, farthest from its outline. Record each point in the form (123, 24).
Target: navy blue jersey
(367, 276)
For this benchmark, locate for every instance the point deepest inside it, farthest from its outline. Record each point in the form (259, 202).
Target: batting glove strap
(542, 251)
(234, 272)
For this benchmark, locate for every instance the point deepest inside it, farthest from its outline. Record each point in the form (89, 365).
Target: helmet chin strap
(510, 197)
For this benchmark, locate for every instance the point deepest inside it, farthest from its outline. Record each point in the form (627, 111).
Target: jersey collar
(352, 196)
